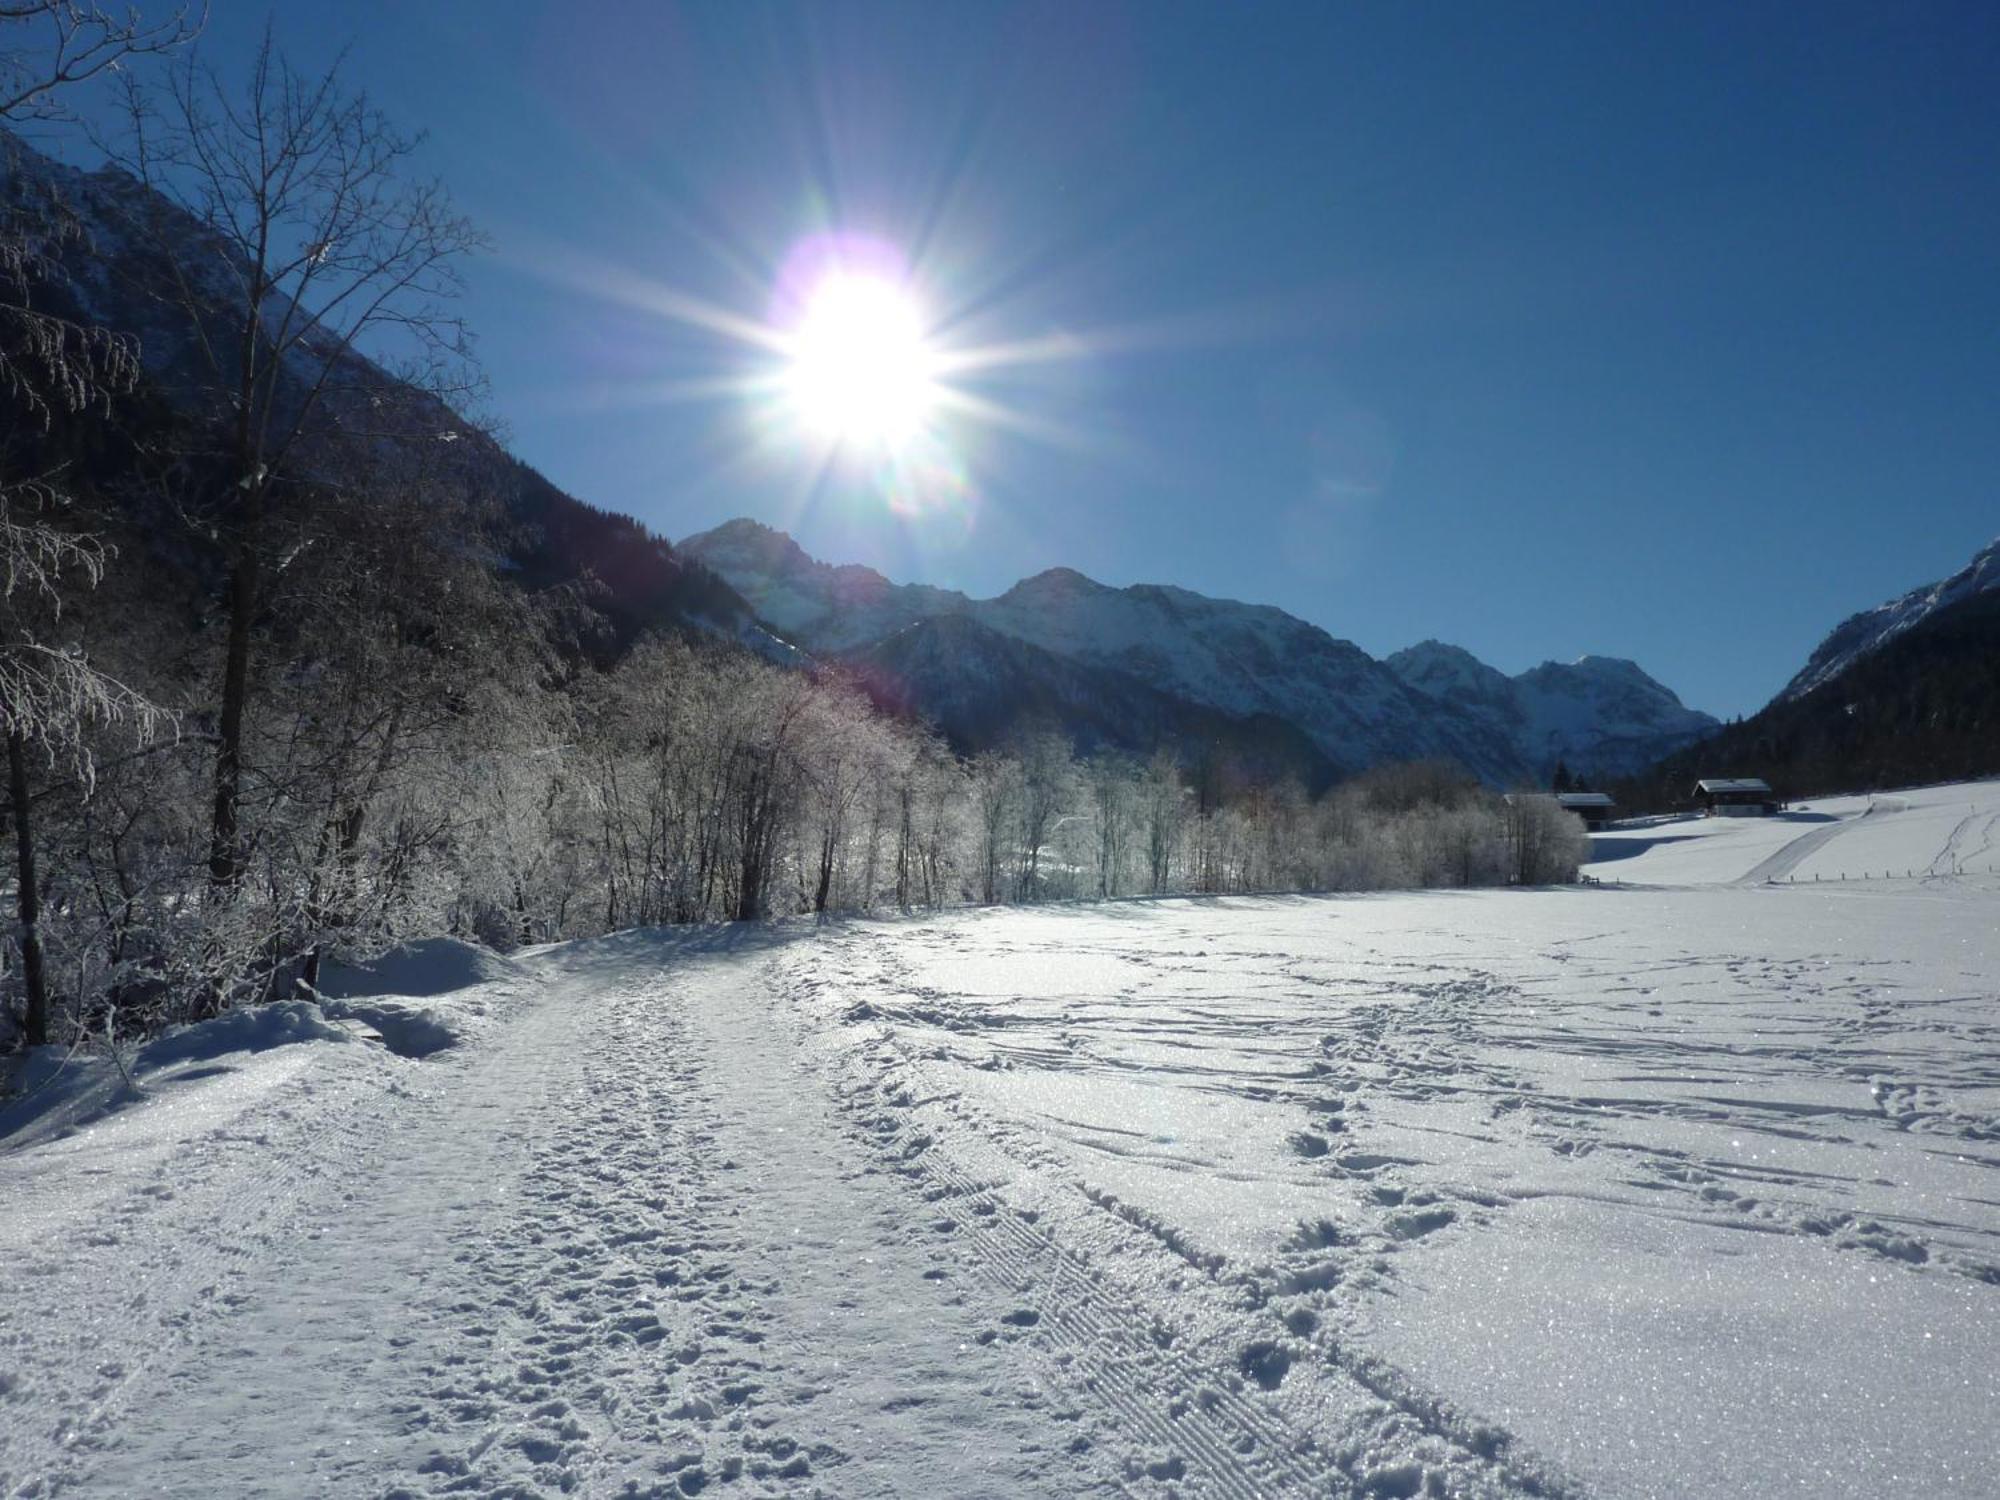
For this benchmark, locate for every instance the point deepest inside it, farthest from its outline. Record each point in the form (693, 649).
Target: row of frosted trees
(699, 784)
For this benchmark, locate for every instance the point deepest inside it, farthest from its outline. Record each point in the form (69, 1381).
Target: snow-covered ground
(1908, 835)
(1679, 1186)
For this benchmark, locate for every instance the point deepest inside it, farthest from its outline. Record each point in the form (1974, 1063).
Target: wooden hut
(1597, 809)
(1735, 797)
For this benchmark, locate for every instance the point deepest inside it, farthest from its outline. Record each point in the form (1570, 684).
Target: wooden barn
(1597, 809)
(1735, 797)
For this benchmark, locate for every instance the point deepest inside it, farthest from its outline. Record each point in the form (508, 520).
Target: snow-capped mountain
(1453, 676)
(981, 687)
(1242, 660)
(1858, 635)
(822, 608)
(1604, 715)
(1600, 715)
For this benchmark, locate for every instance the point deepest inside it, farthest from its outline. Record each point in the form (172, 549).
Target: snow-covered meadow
(1682, 1184)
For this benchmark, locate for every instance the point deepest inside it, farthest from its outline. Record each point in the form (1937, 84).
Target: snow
(1676, 1187)
(385, 995)
(1820, 1341)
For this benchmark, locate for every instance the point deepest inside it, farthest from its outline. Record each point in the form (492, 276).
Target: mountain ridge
(1239, 658)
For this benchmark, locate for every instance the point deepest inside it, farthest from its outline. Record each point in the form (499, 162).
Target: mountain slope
(1243, 659)
(815, 605)
(1870, 630)
(981, 688)
(1922, 706)
(114, 274)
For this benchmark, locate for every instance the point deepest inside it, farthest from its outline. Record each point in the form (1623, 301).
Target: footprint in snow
(1417, 1223)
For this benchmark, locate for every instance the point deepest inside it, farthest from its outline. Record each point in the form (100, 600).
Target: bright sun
(861, 373)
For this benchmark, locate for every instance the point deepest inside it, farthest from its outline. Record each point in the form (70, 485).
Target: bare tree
(313, 252)
(767, 771)
(996, 785)
(52, 367)
(49, 46)
(1046, 776)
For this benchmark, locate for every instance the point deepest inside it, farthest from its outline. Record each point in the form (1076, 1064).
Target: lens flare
(926, 483)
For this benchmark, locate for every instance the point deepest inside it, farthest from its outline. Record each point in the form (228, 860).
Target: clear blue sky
(1668, 332)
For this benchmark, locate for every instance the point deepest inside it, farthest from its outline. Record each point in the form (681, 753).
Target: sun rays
(859, 373)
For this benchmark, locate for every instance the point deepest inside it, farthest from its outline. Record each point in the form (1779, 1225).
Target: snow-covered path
(559, 1263)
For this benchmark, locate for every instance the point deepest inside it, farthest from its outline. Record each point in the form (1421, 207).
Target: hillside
(120, 271)
(1858, 635)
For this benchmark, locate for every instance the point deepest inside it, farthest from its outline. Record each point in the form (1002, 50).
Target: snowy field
(1930, 831)
(1682, 1185)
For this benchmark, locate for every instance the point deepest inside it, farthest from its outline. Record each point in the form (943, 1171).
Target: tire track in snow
(1118, 1347)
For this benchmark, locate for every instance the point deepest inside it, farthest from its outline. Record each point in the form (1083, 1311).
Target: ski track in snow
(1802, 848)
(1205, 1198)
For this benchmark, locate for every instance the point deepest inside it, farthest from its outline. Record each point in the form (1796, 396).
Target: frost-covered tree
(54, 368)
(297, 246)
(847, 748)
(406, 651)
(1047, 788)
(1545, 844)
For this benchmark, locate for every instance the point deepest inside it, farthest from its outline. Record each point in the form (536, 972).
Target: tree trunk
(750, 888)
(225, 854)
(824, 888)
(29, 893)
